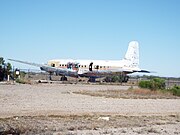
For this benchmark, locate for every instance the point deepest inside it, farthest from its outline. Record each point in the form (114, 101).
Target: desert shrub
(116, 79)
(153, 84)
(145, 84)
(22, 81)
(22, 74)
(176, 90)
(158, 83)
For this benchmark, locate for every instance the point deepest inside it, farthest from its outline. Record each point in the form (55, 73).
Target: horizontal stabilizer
(144, 71)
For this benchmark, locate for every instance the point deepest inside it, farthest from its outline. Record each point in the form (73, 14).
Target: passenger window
(52, 65)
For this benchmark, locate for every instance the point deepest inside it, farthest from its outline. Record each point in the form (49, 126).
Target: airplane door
(90, 66)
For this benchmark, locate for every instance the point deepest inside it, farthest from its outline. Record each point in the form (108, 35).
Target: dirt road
(47, 100)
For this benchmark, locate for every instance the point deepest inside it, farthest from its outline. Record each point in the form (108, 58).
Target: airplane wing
(28, 63)
(58, 71)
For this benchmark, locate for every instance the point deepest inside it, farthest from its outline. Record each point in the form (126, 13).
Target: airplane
(94, 69)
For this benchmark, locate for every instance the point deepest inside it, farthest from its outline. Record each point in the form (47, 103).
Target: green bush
(18, 80)
(153, 84)
(22, 74)
(144, 84)
(116, 79)
(176, 90)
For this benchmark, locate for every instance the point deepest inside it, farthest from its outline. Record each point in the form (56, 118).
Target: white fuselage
(129, 64)
(94, 65)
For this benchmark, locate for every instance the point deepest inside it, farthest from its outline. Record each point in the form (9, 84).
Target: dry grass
(63, 124)
(147, 92)
(130, 94)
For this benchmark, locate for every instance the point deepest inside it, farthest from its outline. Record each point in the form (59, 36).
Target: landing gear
(63, 78)
(50, 76)
(125, 79)
(92, 79)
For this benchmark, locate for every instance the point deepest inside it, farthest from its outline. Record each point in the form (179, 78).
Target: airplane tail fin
(132, 54)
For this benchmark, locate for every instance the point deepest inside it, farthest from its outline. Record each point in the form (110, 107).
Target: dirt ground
(76, 109)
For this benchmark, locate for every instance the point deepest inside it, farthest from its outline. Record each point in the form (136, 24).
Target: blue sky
(39, 30)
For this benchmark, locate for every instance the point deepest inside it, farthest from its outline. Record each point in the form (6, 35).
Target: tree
(9, 68)
(2, 61)
(5, 69)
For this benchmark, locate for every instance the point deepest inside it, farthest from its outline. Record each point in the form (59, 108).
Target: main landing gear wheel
(91, 79)
(124, 79)
(63, 78)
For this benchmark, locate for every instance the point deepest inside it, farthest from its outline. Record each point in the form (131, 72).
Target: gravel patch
(55, 109)
(90, 124)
